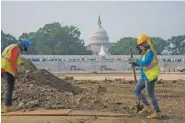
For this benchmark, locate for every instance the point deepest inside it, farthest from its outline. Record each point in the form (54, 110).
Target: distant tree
(176, 45)
(159, 44)
(54, 39)
(121, 47)
(6, 39)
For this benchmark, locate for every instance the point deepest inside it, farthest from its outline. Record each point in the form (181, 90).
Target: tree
(6, 39)
(159, 44)
(54, 39)
(122, 46)
(176, 45)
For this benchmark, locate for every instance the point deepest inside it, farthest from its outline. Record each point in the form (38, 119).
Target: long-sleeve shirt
(148, 59)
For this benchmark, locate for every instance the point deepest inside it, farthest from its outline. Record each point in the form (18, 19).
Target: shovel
(138, 104)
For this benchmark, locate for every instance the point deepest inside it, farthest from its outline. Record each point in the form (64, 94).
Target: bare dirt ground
(117, 96)
(127, 76)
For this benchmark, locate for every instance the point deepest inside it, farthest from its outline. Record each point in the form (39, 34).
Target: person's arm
(13, 59)
(148, 59)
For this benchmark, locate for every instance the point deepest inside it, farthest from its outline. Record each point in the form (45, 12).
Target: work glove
(132, 62)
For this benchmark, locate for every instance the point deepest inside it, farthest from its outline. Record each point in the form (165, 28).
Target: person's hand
(132, 62)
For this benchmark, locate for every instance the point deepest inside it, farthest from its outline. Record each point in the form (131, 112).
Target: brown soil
(41, 89)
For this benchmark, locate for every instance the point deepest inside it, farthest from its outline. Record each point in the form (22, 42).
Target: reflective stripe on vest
(152, 70)
(152, 65)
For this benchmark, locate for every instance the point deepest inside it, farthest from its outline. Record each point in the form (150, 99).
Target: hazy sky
(119, 19)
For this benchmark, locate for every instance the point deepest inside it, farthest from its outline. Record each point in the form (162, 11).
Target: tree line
(55, 39)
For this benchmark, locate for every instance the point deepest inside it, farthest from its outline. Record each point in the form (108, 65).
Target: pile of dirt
(36, 88)
(40, 88)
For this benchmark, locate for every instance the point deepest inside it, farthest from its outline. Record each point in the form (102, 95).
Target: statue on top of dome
(99, 21)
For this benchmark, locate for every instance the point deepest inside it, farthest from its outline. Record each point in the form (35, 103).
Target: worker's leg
(139, 87)
(151, 93)
(9, 91)
(3, 75)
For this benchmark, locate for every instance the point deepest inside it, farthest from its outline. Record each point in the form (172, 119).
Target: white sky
(119, 19)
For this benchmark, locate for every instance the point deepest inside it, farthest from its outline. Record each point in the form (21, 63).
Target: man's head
(143, 43)
(24, 44)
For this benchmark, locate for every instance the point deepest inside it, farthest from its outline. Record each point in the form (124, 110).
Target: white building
(99, 38)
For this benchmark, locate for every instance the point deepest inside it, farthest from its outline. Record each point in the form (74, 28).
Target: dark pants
(10, 79)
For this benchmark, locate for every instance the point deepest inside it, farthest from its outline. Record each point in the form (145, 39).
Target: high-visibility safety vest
(5, 59)
(151, 71)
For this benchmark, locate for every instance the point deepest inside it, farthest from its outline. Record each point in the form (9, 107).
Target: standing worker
(149, 75)
(10, 60)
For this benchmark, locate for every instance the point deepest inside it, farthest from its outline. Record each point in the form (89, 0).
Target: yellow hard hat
(142, 38)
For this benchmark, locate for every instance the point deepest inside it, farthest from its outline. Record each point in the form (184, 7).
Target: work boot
(147, 109)
(6, 109)
(154, 114)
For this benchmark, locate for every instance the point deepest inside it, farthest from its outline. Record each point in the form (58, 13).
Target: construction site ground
(112, 76)
(170, 92)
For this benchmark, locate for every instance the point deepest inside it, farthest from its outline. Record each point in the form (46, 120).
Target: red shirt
(13, 59)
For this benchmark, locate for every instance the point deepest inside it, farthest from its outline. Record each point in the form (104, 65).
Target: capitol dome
(99, 38)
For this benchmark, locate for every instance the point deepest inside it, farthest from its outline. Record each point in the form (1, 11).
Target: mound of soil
(40, 88)
(36, 88)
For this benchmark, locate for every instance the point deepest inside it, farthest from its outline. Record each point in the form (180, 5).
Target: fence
(97, 63)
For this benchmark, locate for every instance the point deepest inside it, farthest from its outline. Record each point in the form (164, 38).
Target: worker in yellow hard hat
(10, 60)
(149, 75)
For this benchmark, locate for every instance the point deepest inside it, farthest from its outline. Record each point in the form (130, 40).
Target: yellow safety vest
(5, 59)
(152, 70)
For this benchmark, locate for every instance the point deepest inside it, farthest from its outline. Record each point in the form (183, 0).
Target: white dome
(99, 35)
(99, 38)
(99, 31)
